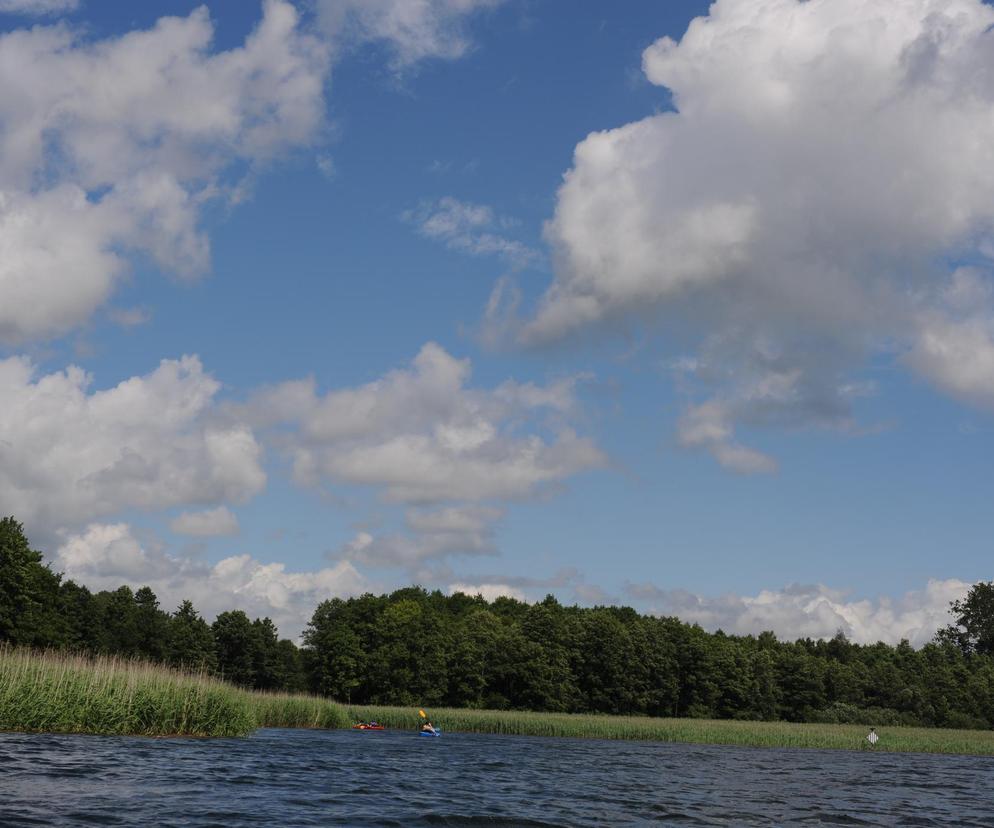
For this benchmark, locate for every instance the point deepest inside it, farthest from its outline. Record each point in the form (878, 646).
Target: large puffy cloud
(414, 29)
(69, 455)
(113, 146)
(422, 437)
(105, 556)
(812, 611)
(793, 213)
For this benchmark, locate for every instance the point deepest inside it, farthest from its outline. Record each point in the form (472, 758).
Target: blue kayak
(429, 734)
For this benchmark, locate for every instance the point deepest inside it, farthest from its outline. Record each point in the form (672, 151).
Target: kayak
(368, 727)
(429, 734)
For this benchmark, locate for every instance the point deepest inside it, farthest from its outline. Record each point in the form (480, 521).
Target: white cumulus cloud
(812, 611)
(420, 435)
(69, 455)
(112, 147)
(790, 217)
(424, 438)
(105, 556)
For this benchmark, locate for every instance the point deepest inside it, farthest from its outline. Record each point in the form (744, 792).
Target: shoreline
(60, 693)
(727, 732)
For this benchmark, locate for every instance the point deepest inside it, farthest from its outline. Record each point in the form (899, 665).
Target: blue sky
(739, 367)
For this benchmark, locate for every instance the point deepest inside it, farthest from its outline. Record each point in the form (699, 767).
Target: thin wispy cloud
(39, 8)
(414, 30)
(471, 228)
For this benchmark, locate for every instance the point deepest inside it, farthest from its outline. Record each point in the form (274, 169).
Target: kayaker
(427, 727)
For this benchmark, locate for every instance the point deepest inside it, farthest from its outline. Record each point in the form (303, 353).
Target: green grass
(698, 731)
(65, 693)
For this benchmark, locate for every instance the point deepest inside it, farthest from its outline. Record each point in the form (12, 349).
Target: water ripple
(317, 778)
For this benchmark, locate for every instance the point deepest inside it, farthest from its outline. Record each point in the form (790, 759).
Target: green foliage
(418, 648)
(38, 608)
(250, 653)
(28, 590)
(117, 617)
(235, 647)
(973, 631)
(151, 625)
(267, 664)
(189, 641)
(336, 659)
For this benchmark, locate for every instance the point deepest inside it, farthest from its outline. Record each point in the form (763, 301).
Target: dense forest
(426, 648)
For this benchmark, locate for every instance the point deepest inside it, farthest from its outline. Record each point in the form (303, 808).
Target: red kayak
(368, 727)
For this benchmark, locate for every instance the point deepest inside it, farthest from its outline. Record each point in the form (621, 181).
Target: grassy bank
(698, 731)
(63, 693)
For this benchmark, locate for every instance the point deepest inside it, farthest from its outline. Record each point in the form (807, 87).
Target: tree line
(415, 647)
(39, 608)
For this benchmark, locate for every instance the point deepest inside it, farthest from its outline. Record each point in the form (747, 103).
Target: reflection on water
(304, 778)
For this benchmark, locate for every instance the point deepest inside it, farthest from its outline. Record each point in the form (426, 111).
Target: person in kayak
(427, 727)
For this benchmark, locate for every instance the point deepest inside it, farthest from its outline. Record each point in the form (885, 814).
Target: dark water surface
(305, 778)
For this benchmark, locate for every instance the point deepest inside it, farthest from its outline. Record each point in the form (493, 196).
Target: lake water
(311, 778)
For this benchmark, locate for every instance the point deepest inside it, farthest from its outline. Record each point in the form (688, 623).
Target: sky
(681, 306)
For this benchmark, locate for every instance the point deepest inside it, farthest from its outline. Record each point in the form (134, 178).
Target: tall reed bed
(66, 693)
(698, 731)
(295, 710)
